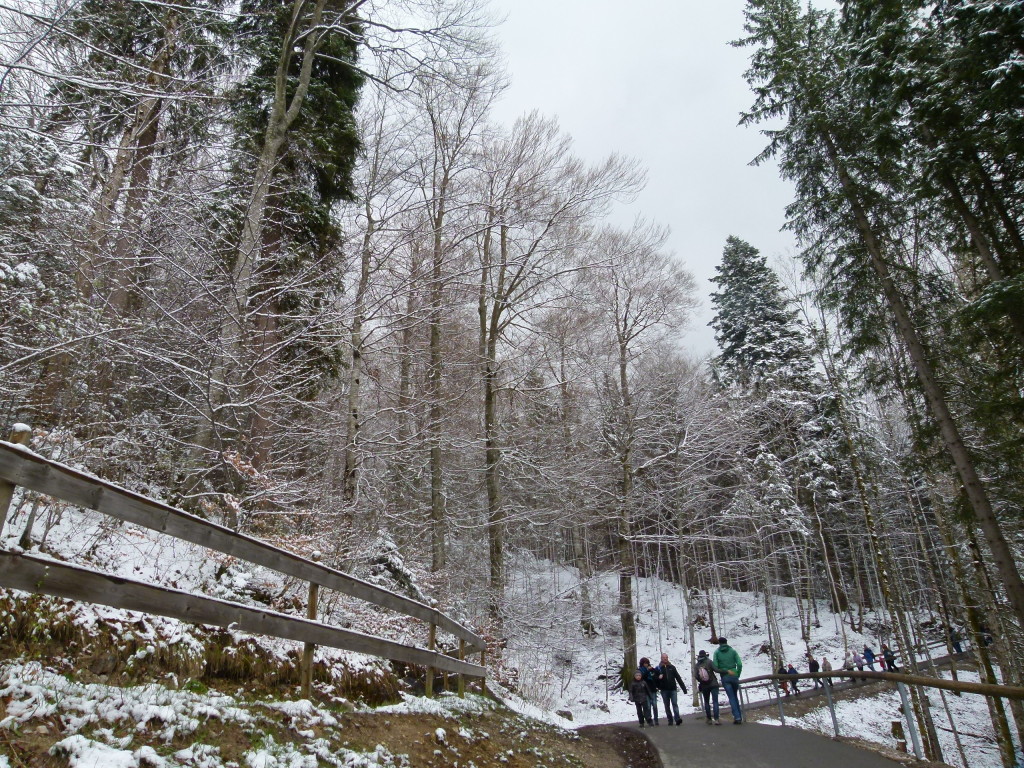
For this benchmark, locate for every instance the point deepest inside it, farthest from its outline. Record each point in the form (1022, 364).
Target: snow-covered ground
(962, 719)
(549, 664)
(570, 677)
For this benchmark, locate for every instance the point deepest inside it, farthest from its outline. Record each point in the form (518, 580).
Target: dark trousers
(710, 696)
(668, 698)
(643, 712)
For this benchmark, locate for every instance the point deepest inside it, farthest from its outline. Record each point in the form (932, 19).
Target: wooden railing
(901, 680)
(21, 467)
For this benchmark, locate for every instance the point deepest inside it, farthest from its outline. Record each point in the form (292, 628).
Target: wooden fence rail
(902, 681)
(21, 467)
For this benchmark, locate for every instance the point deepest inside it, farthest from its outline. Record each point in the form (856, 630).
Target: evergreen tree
(757, 333)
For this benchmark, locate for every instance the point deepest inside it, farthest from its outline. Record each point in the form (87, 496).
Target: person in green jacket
(728, 663)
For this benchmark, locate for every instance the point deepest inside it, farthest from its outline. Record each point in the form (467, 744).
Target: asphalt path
(752, 745)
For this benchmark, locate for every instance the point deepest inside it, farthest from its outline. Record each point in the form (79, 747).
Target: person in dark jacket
(638, 695)
(791, 671)
(668, 676)
(652, 686)
(783, 683)
(812, 667)
(707, 684)
(869, 657)
(890, 658)
(955, 640)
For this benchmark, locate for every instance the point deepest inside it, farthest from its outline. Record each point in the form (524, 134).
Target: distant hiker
(707, 684)
(826, 666)
(727, 662)
(783, 683)
(814, 667)
(955, 640)
(881, 661)
(848, 663)
(858, 661)
(668, 676)
(791, 671)
(647, 671)
(638, 695)
(869, 657)
(890, 658)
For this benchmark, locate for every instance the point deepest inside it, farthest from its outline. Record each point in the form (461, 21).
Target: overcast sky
(656, 80)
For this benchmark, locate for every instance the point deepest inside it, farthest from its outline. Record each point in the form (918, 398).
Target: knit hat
(721, 641)
(702, 655)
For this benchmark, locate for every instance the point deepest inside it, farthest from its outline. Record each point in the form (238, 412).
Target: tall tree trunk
(350, 476)
(956, 448)
(624, 545)
(438, 543)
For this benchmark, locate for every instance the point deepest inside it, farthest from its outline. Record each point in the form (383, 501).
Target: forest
(276, 263)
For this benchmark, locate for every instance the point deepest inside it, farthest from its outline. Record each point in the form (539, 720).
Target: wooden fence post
(20, 434)
(462, 677)
(306, 667)
(483, 663)
(431, 643)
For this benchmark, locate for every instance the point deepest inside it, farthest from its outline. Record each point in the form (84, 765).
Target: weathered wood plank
(985, 689)
(54, 479)
(48, 577)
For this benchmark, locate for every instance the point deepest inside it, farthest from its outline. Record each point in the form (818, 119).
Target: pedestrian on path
(638, 695)
(727, 662)
(647, 671)
(826, 666)
(869, 657)
(890, 658)
(858, 661)
(813, 667)
(955, 639)
(667, 677)
(707, 684)
(791, 670)
(783, 683)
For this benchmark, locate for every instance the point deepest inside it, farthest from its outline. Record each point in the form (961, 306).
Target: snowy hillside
(569, 675)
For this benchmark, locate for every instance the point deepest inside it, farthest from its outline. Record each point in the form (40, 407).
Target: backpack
(702, 674)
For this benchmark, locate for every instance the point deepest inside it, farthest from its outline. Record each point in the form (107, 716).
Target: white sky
(655, 80)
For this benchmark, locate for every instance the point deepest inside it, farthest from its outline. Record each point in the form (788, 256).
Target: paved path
(751, 745)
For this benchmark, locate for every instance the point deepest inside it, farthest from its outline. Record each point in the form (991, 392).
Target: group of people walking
(854, 660)
(722, 670)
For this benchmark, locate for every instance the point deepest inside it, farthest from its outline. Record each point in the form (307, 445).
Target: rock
(565, 713)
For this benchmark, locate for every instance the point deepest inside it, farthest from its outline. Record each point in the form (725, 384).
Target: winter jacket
(813, 666)
(649, 678)
(638, 691)
(826, 665)
(668, 676)
(869, 655)
(712, 681)
(727, 661)
(890, 659)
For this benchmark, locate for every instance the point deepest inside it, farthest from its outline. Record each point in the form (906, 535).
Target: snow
(569, 677)
(870, 718)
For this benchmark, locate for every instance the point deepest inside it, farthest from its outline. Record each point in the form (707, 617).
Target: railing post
(831, 706)
(306, 668)
(20, 434)
(431, 642)
(778, 698)
(462, 677)
(908, 713)
(483, 663)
